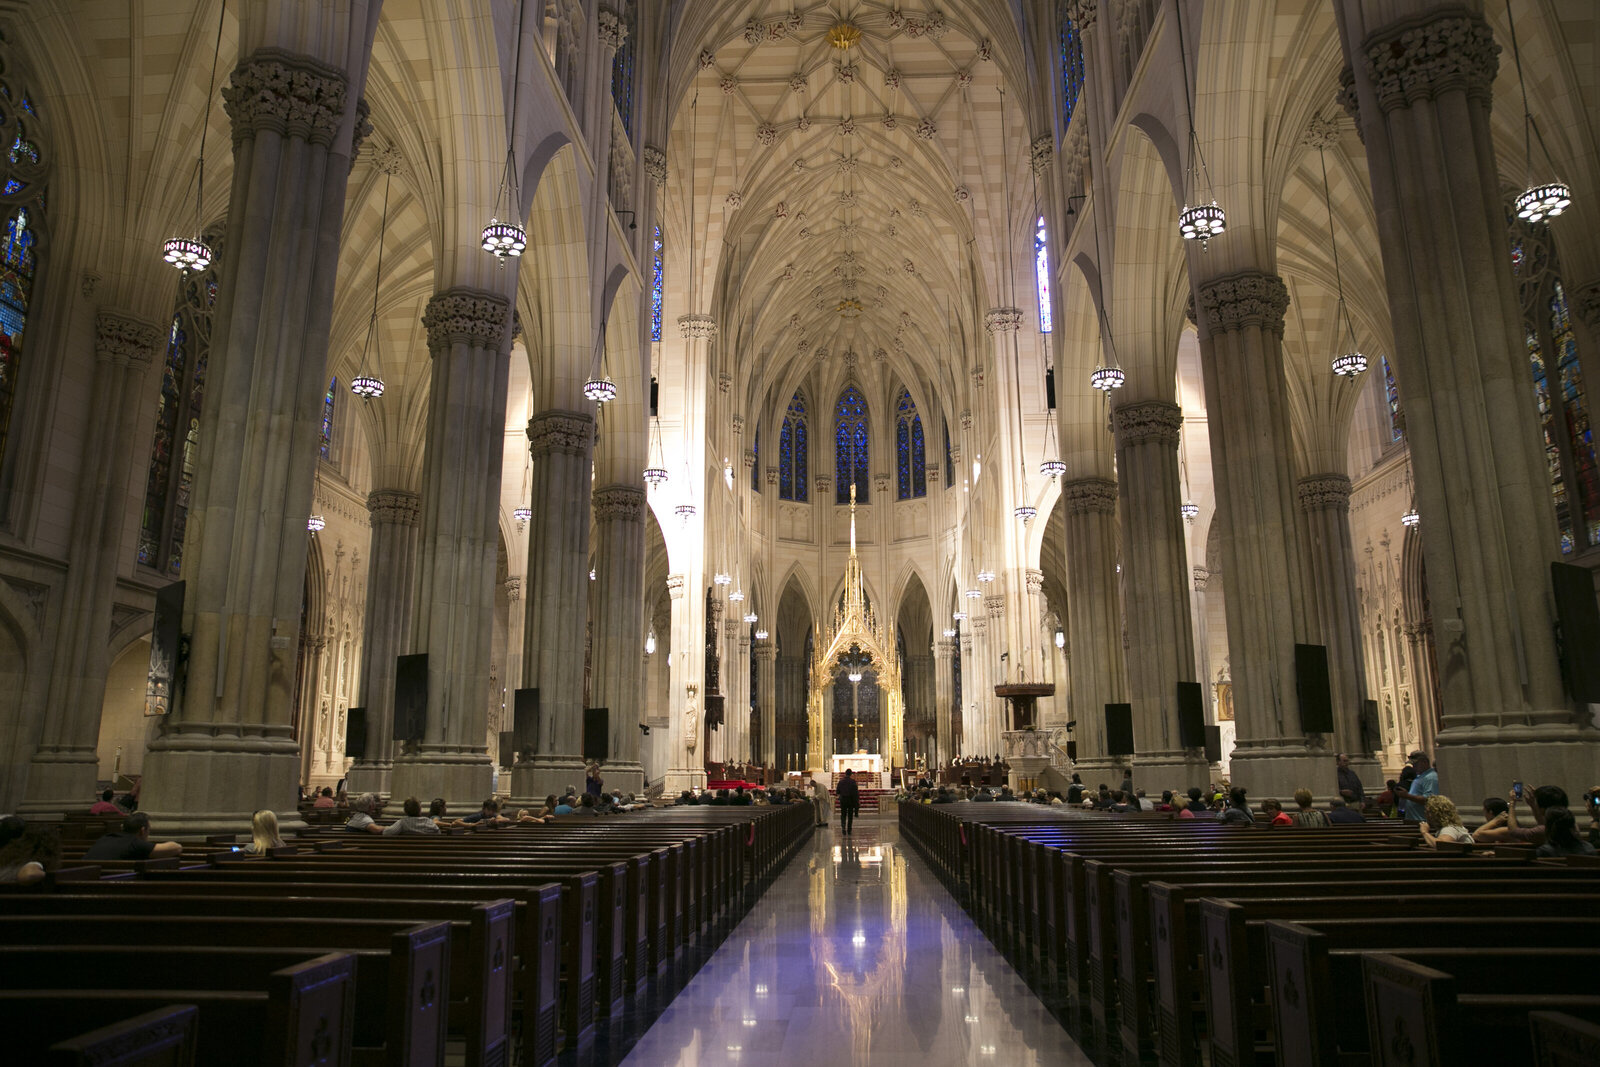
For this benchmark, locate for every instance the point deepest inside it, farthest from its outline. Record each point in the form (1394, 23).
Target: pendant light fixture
(316, 524)
(1410, 518)
(656, 473)
(1023, 511)
(1199, 220)
(192, 253)
(507, 239)
(1349, 360)
(602, 389)
(367, 385)
(1189, 510)
(1548, 199)
(1106, 376)
(762, 635)
(524, 511)
(1051, 466)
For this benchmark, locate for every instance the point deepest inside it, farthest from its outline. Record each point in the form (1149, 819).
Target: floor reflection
(856, 955)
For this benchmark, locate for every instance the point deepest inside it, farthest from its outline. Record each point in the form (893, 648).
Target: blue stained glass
(1392, 391)
(175, 449)
(327, 417)
(802, 463)
(622, 73)
(655, 287)
(919, 466)
(911, 460)
(850, 431)
(1071, 69)
(14, 186)
(792, 451)
(1580, 434)
(1041, 271)
(17, 263)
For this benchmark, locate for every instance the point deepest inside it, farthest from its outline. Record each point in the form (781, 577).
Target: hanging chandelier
(367, 385)
(601, 390)
(1107, 378)
(656, 473)
(949, 631)
(721, 579)
(750, 616)
(192, 253)
(1199, 220)
(1349, 360)
(506, 240)
(1026, 513)
(1052, 468)
(316, 523)
(522, 514)
(986, 576)
(1190, 510)
(762, 635)
(685, 511)
(973, 594)
(737, 596)
(1410, 518)
(959, 616)
(1548, 199)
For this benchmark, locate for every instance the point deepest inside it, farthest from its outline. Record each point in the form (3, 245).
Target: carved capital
(1041, 152)
(1083, 12)
(766, 650)
(619, 503)
(880, 482)
(1238, 301)
(724, 383)
(980, 628)
(1586, 301)
(738, 426)
(288, 94)
(995, 605)
(1322, 132)
(397, 506)
(1148, 420)
(695, 327)
(749, 459)
(675, 586)
(514, 587)
(1324, 491)
(465, 316)
(934, 471)
(966, 420)
(122, 338)
(772, 475)
(1439, 52)
(1347, 99)
(567, 433)
(655, 164)
(824, 485)
(1202, 578)
(1002, 319)
(362, 130)
(612, 30)
(1035, 580)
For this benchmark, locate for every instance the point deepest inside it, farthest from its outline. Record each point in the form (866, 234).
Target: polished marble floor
(856, 955)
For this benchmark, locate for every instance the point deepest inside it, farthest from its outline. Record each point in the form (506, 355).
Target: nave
(856, 954)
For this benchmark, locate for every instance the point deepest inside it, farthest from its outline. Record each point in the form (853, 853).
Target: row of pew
(1193, 943)
(492, 947)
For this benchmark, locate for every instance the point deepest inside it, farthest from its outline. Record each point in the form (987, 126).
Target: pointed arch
(793, 451)
(911, 462)
(851, 459)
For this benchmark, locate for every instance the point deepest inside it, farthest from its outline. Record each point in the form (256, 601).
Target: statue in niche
(691, 720)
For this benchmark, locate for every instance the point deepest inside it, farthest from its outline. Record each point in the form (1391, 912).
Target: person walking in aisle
(820, 800)
(849, 801)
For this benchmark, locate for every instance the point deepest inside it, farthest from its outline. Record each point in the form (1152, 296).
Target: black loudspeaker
(355, 733)
(508, 748)
(166, 644)
(1191, 715)
(411, 698)
(1213, 744)
(1072, 751)
(595, 728)
(1050, 389)
(1578, 618)
(525, 719)
(655, 397)
(1311, 686)
(1371, 732)
(1119, 729)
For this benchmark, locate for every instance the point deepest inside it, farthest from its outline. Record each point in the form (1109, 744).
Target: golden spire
(852, 520)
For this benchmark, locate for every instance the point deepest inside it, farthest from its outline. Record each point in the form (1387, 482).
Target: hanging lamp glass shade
(762, 635)
(986, 576)
(655, 475)
(315, 523)
(750, 616)
(959, 616)
(1349, 364)
(1190, 510)
(523, 513)
(187, 253)
(503, 239)
(685, 511)
(367, 386)
(1202, 222)
(737, 596)
(1107, 378)
(1026, 512)
(973, 594)
(1410, 518)
(600, 390)
(722, 579)
(1543, 201)
(1052, 468)
(949, 631)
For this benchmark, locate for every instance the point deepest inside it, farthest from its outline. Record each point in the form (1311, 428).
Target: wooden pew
(165, 1037)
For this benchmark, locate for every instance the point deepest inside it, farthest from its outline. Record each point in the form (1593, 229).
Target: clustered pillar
(390, 587)
(618, 674)
(1094, 616)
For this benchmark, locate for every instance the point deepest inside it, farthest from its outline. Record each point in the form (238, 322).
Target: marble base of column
(212, 785)
(369, 776)
(1155, 771)
(1484, 761)
(680, 778)
(535, 778)
(464, 779)
(1269, 770)
(60, 780)
(624, 775)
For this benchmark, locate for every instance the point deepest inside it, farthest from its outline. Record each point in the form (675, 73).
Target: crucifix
(855, 723)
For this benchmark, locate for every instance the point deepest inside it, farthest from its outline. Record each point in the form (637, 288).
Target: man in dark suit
(849, 801)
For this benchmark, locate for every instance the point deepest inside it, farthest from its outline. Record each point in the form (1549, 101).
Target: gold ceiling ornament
(844, 34)
(850, 308)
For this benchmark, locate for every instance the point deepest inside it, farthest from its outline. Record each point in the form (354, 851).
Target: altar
(860, 762)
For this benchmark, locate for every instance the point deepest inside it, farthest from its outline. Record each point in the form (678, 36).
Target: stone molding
(1041, 152)
(654, 161)
(560, 433)
(694, 327)
(460, 315)
(1321, 132)
(1586, 301)
(1324, 491)
(1086, 496)
(675, 586)
(618, 503)
(995, 605)
(514, 587)
(121, 337)
(1148, 420)
(398, 506)
(772, 475)
(612, 30)
(1443, 51)
(1035, 580)
(1202, 578)
(1239, 301)
(1002, 319)
(287, 94)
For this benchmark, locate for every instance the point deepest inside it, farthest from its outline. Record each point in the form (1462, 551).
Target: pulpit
(1023, 699)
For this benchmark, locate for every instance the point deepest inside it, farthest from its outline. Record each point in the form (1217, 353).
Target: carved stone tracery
(121, 338)
(1324, 491)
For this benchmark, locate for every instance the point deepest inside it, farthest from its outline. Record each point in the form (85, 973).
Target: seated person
(487, 815)
(566, 805)
(365, 810)
(1441, 822)
(263, 833)
(739, 799)
(438, 812)
(132, 842)
(685, 798)
(586, 806)
(104, 806)
(324, 798)
(1306, 815)
(1238, 810)
(412, 822)
(1506, 830)
(1339, 811)
(1196, 804)
(11, 828)
(29, 856)
(1274, 812)
(549, 808)
(1561, 835)
(1166, 801)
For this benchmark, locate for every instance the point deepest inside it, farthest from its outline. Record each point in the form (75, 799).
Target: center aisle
(856, 955)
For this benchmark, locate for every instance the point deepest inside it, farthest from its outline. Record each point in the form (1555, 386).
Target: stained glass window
(1071, 68)
(1041, 272)
(18, 266)
(850, 432)
(793, 469)
(1397, 425)
(1552, 442)
(1580, 435)
(174, 451)
(328, 400)
(910, 449)
(655, 287)
(622, 70)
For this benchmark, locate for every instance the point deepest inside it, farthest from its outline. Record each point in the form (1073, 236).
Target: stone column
(1331, 556)
(687, 770)
(1241, 337)
(1094, 617)
(561, 443)
(618, 683)
(391, 584)
(984, 739)
(945, 651)
(967, 711)
(65, 765)
(469, 340)
(227, 747)
(1420, 83)
(1156, 566)
(766, 654)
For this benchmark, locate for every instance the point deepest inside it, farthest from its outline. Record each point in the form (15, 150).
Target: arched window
(329, 399)
(1391, 392)
(793, 471)
(909, 447)
(1041, 273)
(174, 452)
(622, 68)
(24, 169)
(1071, 68)
(949, 457)
(655, 286)
(850, 432)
